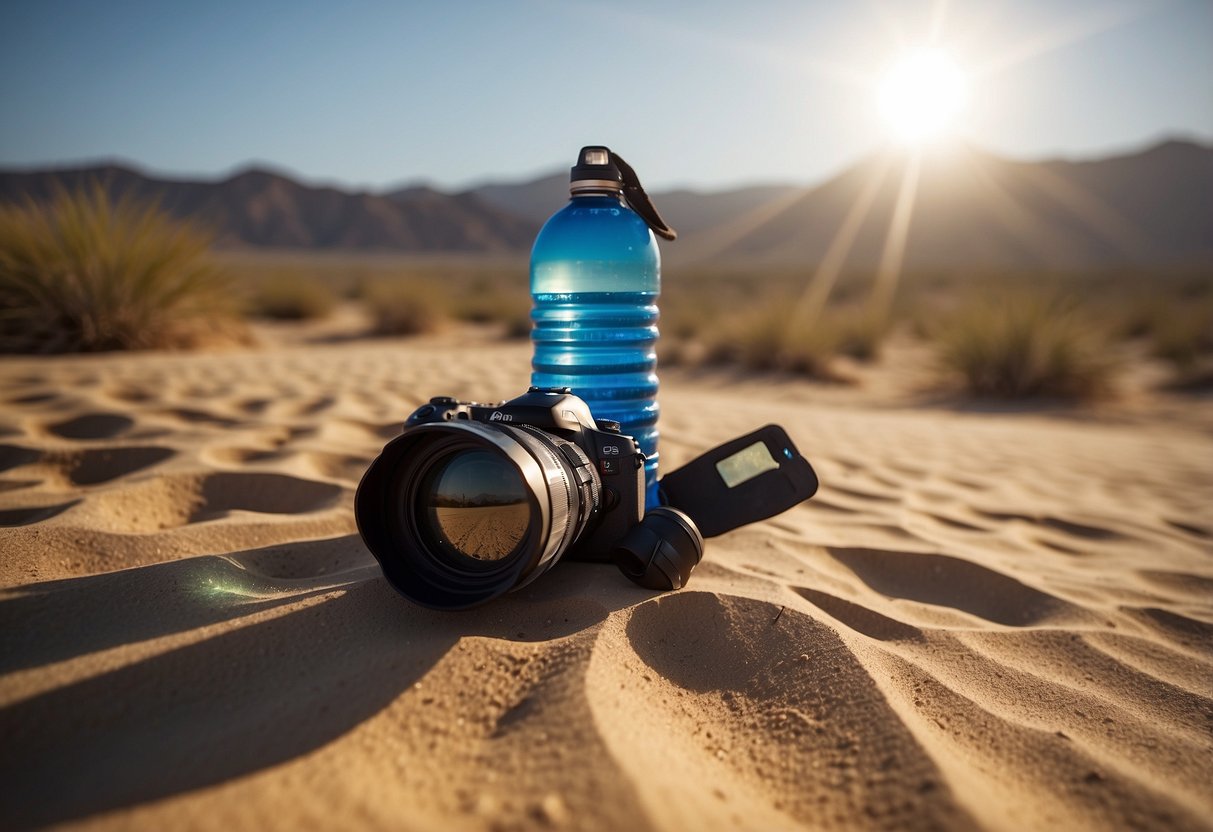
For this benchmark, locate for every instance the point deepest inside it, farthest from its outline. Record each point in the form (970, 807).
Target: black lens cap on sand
(660, 552)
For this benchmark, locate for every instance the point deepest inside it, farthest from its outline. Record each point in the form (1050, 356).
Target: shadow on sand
(253, 696)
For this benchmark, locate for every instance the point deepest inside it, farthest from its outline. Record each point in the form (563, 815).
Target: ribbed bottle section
(603, 346)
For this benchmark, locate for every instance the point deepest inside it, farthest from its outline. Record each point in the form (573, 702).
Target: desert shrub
(768, 338)
(1024, 345)
(404, 307)
(487, 305)
(1133, 317)
(859, 332)
(687, 314)
(1184, 334)
(679, 352)
(671, 352)
(84, 273)
(287, 297)
(518, 323)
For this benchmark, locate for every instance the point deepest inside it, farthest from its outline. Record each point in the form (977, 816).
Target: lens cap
(660, 552)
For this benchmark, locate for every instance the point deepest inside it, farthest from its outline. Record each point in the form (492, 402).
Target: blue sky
(706, 94)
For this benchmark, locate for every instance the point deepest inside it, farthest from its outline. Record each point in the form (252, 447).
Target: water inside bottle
(603, 346)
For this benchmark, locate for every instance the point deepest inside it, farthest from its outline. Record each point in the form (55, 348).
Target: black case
(698, 489)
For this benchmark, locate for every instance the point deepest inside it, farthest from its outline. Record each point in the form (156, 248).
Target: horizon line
(276, 169)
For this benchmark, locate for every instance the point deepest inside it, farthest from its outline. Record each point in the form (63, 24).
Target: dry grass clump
(486, 303)
(1024, 345)
(287, 297)
(1184, 335)
(690, 315)
(404, 307)
(860, 332)
(84, 273)
(746, 319)
(404, 293)
(1184, 339)
(766, 338)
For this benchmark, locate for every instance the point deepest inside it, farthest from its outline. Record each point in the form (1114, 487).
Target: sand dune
(987, 620)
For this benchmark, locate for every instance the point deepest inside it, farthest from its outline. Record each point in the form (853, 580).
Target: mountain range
(963, 209)
(261, 209)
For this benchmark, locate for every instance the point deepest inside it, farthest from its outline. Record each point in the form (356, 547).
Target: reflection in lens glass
(475, 506)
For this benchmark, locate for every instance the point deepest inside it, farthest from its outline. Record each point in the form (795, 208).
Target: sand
(985, 619)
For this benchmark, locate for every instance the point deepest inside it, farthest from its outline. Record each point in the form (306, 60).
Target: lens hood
(386, 509)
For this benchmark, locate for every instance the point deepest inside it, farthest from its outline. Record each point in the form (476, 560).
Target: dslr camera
(474, 500)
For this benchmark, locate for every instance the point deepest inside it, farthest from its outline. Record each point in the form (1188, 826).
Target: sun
(921, 96)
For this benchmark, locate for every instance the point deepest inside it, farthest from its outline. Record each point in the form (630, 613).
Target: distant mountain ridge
(973, 209)
(970, 210)
(259, 208)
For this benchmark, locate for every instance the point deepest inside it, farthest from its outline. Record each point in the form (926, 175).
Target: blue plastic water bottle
(595, 278)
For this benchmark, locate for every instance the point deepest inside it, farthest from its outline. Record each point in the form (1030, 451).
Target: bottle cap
(595, 170)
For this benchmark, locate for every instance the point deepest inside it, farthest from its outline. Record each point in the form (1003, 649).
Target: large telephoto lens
(458, 513)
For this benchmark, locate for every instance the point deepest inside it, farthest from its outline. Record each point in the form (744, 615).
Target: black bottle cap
(596, 165)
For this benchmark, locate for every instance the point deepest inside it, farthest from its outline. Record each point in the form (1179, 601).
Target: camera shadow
(252, 696)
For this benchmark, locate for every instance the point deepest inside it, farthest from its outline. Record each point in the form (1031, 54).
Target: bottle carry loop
(638, 200)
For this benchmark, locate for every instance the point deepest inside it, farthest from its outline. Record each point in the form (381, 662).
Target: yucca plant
(84, 273)
(1025, 345)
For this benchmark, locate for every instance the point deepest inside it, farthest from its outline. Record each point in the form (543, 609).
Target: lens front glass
(472, 507)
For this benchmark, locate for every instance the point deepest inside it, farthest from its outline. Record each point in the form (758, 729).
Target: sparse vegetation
(767, 338)
(1184, 339)
(288, 297)
(402, 295)
(861, 333)
(741, 318)
(1024, 345)
(1185, 335)
(751, 321)
(404, 308)
(85, 273)
(486, 302)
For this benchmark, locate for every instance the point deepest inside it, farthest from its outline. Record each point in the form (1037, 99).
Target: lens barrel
(458, 513)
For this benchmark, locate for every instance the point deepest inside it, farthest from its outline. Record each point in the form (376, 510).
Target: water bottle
(595, 278)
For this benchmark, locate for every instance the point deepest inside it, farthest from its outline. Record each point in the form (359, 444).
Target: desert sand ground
(999, 620)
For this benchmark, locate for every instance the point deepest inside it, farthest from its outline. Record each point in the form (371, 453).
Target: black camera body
(616, 458)
(474, 500)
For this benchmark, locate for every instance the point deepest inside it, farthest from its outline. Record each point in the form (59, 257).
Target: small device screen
(746, 464)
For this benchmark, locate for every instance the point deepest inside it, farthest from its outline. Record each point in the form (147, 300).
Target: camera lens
(475, 507)
(458, 513)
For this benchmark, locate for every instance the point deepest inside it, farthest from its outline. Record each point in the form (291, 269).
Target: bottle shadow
(253, 696)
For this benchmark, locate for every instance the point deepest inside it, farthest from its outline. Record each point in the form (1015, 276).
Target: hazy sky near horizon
(706, 94)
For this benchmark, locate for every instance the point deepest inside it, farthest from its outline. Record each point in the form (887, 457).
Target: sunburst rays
(1100, 218)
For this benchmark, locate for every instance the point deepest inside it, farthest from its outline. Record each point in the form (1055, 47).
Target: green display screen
(746, 464)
